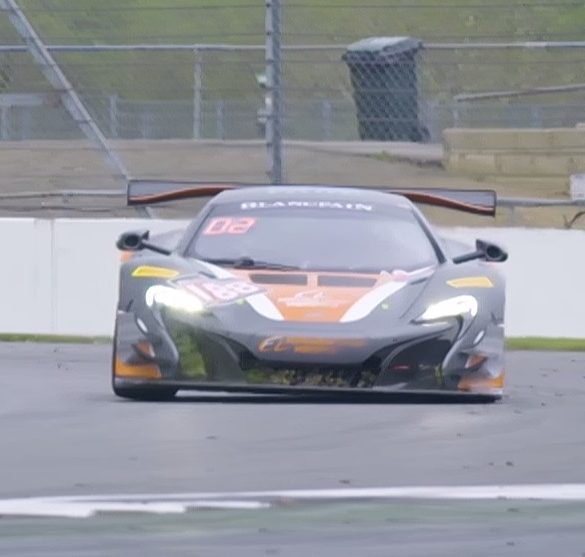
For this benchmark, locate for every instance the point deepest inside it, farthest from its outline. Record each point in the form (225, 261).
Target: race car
(308, 290)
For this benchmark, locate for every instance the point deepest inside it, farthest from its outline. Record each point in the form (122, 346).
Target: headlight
(452, 307)
(173, 298)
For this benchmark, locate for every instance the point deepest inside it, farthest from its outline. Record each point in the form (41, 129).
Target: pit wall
(61, 276)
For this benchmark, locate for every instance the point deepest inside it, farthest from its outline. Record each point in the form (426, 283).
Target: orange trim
(136, 371)
(126, 256)
(145, 348)
(204, 190)
(476, 383)
(441, 201)
(311, 303)
(475, 360)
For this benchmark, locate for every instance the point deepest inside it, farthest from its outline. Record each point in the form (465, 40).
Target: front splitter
(377, 394)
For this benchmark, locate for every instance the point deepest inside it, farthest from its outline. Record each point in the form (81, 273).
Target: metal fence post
(274, 88)
(4, 123)
(326, 114)
(220, 119)
(197, 94)
(113, 112)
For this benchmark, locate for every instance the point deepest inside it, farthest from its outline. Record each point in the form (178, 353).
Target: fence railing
(217, 90)
(314, 120)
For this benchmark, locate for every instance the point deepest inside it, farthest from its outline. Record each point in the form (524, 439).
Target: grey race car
(308, 290)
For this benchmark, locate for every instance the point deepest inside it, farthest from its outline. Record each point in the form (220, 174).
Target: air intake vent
(278, 278)
(346, 281)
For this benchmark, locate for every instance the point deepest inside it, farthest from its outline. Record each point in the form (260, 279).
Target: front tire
(145, 394)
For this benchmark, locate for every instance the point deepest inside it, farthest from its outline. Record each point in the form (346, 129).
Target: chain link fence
(348, 101)
(333, 79)
(179, 86)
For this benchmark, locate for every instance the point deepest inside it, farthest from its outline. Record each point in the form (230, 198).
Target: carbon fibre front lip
(367, 394)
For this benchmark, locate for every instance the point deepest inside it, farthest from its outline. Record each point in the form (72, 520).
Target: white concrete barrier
(545, 277)
(60, 276)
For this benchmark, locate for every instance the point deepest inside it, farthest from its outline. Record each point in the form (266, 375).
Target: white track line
(61, 507)
(79, 506)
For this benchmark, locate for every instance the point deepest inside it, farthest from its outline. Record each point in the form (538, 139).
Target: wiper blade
(249, 263)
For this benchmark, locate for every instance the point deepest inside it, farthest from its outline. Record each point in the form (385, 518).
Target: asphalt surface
(62, 432)
(34, 172)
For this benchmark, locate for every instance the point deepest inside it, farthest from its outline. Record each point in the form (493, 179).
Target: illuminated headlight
(452, 307)
(173, 298)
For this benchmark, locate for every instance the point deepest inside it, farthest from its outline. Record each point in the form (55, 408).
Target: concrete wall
(546, 156)
(60, 276)
(545, 277)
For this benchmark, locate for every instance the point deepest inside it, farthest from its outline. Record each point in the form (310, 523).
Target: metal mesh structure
(432, 88)
(182, 72)
(527, 55)
(184, 83)
(327, 97)
(337, 84)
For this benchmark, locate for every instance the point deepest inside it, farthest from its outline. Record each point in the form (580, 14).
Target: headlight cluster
(173, 298)
(452, 307)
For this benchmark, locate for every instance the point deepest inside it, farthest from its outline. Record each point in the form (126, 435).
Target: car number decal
(220, 291)
(228, 225)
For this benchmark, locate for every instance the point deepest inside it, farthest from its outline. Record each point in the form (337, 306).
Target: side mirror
(137, 241)
(132, 241)
(483, 250)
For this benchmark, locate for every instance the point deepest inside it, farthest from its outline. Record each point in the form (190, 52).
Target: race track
(63, 433)
(56, 408)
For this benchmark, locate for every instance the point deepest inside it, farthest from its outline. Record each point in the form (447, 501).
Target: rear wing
(149, 192)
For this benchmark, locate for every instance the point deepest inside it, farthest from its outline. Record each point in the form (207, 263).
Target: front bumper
(195, 358)
(321, 394)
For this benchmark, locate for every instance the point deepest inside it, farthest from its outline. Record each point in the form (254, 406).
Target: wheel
(148, 394)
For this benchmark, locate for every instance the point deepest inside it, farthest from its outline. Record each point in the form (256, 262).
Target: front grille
(418, 364)
(207, 357)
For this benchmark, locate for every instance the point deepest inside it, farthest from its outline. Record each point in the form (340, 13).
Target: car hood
(320, 297)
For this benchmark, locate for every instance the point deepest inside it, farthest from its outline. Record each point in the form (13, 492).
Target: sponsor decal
(146, 271)
(312, 299)
(306, 205)
(219, 291)
(471, 282)
(303, 345)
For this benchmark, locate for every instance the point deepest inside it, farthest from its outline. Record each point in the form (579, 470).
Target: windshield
(315, 238)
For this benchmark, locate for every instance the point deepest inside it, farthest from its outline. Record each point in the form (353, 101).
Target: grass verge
(513, 343)
(53, 339)
(544, 343)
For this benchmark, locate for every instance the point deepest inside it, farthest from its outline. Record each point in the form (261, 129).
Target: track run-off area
(69, 443)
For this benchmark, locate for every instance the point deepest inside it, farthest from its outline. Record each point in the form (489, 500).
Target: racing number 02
(229, 225)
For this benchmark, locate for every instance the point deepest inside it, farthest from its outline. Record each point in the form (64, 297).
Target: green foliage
(541, 343)
(53, 339)
(192, 363)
